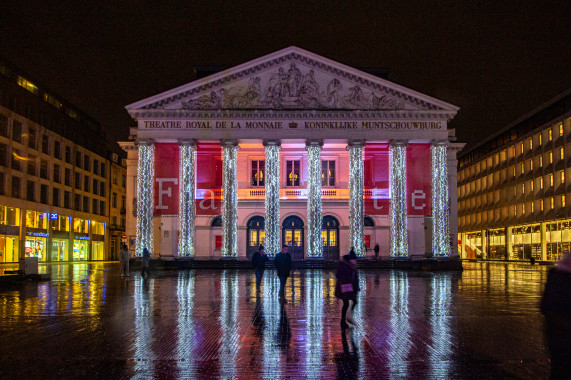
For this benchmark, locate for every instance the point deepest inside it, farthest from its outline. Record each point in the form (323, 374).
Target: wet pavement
(89, 322)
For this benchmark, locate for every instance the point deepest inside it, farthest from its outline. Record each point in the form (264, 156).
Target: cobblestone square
(89, 322)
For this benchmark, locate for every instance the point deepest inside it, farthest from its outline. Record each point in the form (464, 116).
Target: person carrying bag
(347, 285)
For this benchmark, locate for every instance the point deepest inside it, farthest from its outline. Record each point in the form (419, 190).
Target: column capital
(309, 143)
(439, 142)
(276, 142)
(187, 142)
(144, 142)
(227, 143)
(399, 142)
(355, 143)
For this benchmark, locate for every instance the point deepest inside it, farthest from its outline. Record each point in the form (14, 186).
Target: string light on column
(145, 200)
(440, 212)
(398, 211)
(356, 211)
(314, 243)
(272, 201)
(230, 200)
(186, 199)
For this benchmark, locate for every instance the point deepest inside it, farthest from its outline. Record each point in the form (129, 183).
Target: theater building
(513, 188)
(292, 148)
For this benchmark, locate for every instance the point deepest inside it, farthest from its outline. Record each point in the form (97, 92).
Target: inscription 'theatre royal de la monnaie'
(272, 125)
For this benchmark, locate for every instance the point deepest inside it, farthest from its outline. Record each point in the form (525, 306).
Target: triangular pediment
(292, 78)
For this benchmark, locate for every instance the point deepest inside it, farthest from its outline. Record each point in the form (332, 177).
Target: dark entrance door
(255, 234)
(292, 235)
(330, 237)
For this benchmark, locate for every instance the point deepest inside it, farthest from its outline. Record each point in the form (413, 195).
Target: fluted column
(186, 198)
(145, 199)
(397, 180)
(440, 209)
(356, 200)
(314, 243)
(230, 199)
(272, 219)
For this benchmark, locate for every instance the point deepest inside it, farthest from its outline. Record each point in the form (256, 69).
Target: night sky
(495, 60)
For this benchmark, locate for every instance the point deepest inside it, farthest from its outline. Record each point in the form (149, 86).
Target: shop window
(80, 226)
(61, 223)
(17, 131)
(16, 187)
(9, 216)
(258, 173)
(97, 228)
(36, 247)
(97, 251)
(30, 191)
(80, 250)
(36, 219)
(44, 194)
(328, 173)
(293, 173)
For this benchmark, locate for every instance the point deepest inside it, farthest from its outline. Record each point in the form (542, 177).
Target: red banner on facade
(418, 179)
(208, 179)
(167, 161)
(376, 178)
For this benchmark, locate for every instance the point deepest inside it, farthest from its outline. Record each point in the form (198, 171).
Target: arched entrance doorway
(256, 235)
(292, 235)
(330, 237)
(369, 233)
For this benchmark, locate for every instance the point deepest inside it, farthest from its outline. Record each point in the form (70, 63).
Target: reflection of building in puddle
(186, 342)
(399, 338)
(440, 351)
(143, 355)
(227, 319)
(313, 333)
(271, 337)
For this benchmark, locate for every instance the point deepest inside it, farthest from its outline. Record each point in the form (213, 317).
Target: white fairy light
(397, 180)
(440, 211)
(145, 200)
(272, 201)
(186, 199)
(356, 211)
(314, 243)
(230, 200)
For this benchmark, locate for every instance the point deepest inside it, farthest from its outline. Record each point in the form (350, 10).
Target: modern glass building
(513, 189)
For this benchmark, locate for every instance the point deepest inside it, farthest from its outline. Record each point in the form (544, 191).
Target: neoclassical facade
(292, 148)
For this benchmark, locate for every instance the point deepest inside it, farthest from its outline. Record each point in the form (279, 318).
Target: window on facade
(81, 226)
(550, 133)
(532, 207)
(66, 199)
(78, 159)
(61, 223)
(44, 169)
(44, 194)
(16, 187)
(45, 144)
(67, 177)
(77, 181)
(531, 186)
(521, 148)
(560, 129)
(36, 219)
(539, 139)
(32, 165)
(292, 173)
(3, 125)
(541, 205)
(522, 168)
(114, 176)
(30, 191)
(540, 161)
(327, 173)
(68, 154)
(3, 154)
(102, 208)
(551, 180)
(2, 183)
(523, 188)
(530, 144)
(32, 138)
(95, 166)
(86, 163)
(541, 183)
(562, 176)
(95, 186)
(103, 169)
(95, 206)
(16, 131)
(551, 203)
(57, 173)
(523, 208)
(55, 196)
(86, 183)
(258, 173)
(561, 154)
(85, 204)
(123, 202)
(550, 157)
(530, 164)
(114, 200)
(77, 202)
(563, 201)
(102, 187)
(57, 150)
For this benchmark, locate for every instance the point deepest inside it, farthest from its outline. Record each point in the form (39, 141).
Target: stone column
(272, 219)
(230, 199)
(145, 199)
(398, 211)
(356, 200)
(314, 218)
(186, 198)
(440, 200)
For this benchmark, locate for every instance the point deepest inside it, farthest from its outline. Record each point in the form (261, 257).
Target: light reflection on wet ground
(88, 321)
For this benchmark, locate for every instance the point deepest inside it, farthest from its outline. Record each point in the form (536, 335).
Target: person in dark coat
(259, 260)
(347, 285)
(282, 262)
(377, 249)
(556, 306)
(145, 263)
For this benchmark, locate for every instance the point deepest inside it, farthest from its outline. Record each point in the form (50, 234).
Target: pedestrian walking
(282, 262)
(352, 252)
(377, 249)
(556, 306)
(259, 260)
(347, 285)
(124, 257)
(145, 263)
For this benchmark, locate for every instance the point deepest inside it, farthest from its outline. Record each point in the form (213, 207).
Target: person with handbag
(259, 260)
(347, 285)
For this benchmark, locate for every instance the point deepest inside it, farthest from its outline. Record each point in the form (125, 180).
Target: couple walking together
(282, 262)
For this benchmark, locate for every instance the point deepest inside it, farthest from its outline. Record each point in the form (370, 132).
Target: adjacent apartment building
(55, 170)
(513, 189)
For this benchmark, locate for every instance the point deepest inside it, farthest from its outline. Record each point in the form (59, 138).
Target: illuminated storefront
(36, 245)
(97, 250)
(9, 234)
(81, 249)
